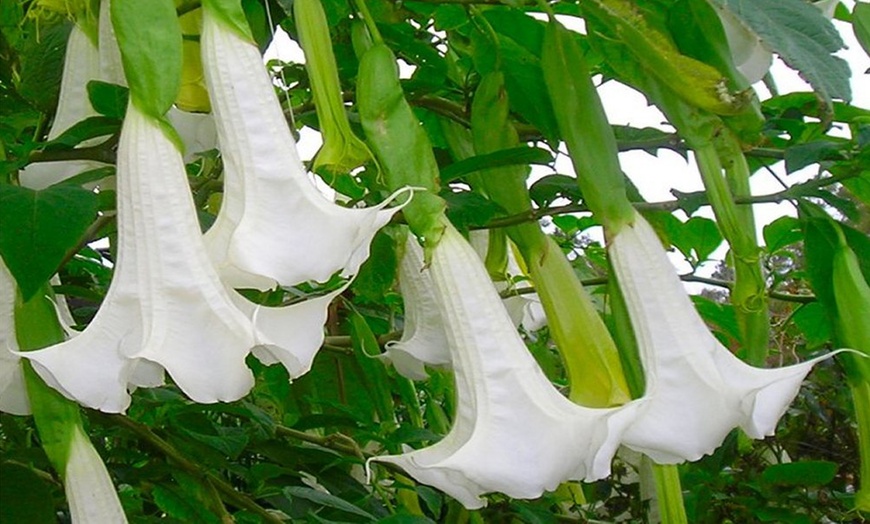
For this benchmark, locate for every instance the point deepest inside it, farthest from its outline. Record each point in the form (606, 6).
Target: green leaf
(814, 322)
(704, 236)
(38, 228)
(88, 128)
(469, 209)
(782, 232)
(376, 275)
(861, 24)
(696, 238)
(647, 139)
(805, 473)
(26, 497)
(721, 316)
(41, 64)
(551, 187)
(802, 37)
(522, 155)
(178, 504)
(803, 155)
(108, 99)
(151, 51)
(860, 186)
(325, 499)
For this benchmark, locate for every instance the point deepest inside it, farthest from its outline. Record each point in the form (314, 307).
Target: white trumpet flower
(513, 432)
(166, 307)
(424, 340)
(13, 394)
(696, 390)
(269, 202)
(89, 490)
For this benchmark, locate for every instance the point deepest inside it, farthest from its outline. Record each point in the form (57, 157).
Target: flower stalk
(89, 490)
(852, 298)
(587, 349)
(342, 151)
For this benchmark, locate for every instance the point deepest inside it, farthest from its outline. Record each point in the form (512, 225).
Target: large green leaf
(802, 37)
(522, 155)
(806, 473)
(38, 228)
(861, 24)
(150, 43)
(26, 497)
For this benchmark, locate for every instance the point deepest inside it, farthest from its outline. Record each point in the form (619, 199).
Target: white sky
(656, 176)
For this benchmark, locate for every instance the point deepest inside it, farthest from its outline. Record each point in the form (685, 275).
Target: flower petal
(89, 489)
(81, 65)
(292, 334)
(424, 340)
(697, 390)
(274, 225)
(13, 394)
(166, 305)
(513, 432)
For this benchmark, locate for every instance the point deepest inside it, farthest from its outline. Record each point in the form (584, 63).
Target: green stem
(209, 480)
(56, 418)
(669, 494)
(861, 402)
(585, 129)
(748, 295)
(588, 352)
(749, 282)
(366, 16)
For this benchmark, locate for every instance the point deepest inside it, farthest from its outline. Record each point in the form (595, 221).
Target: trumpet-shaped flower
(696, 390)
(13, 395)
(274, 225)
(88, 487)
(424, 340)
(166, 307)
(513, 431)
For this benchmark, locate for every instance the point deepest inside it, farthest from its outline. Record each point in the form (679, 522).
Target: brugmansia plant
(191, 330)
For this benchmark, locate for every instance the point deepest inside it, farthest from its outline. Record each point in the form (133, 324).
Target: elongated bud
(852, 295)
(342, 151)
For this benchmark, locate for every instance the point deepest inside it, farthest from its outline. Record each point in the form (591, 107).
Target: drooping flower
(424, 340)
(269, 202)
(696, 390)
(166, 307)
(89, 490)
(513, 432)
(13, 395)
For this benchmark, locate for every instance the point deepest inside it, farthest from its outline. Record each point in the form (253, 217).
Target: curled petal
(752, 59)
(274, 225)
(424, 340)
(166, 307)
(292, 334)
(513, 432)
(697, 390)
